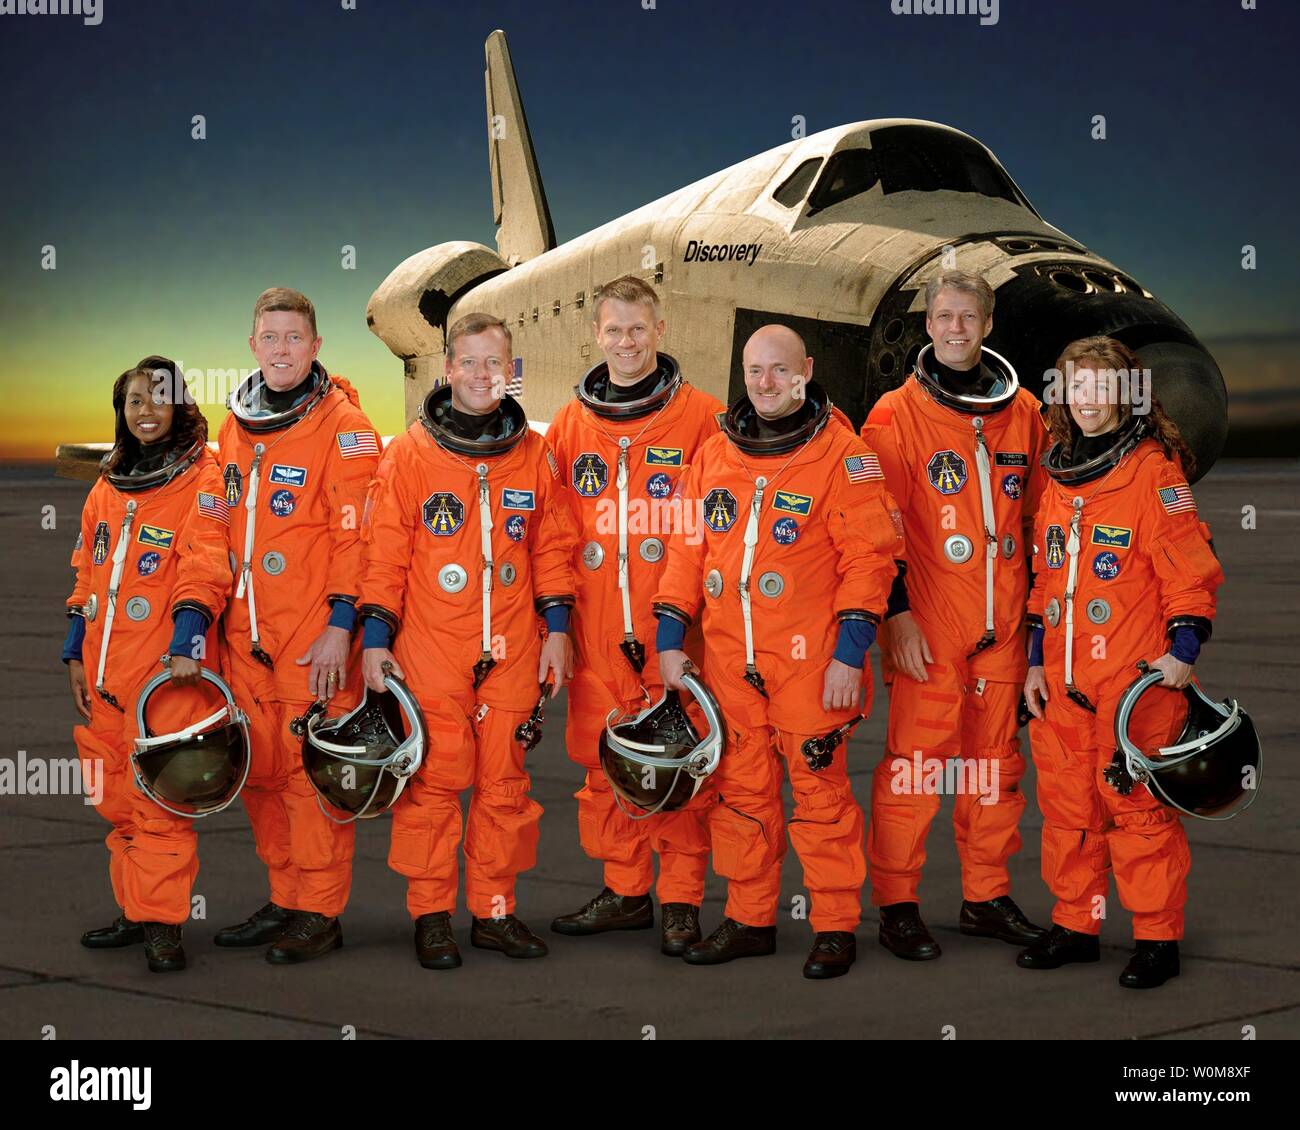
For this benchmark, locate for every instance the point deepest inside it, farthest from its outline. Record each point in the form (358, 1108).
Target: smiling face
(148, 410)
(1091, 394)
(957, 325)
(477, 371)
(285, 347)
(628, 335)
(776, 371)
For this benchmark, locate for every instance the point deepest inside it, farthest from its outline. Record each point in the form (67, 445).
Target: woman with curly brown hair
(154, 537)
(1124, 571)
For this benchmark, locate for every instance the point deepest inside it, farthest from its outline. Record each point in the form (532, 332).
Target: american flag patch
(550, 462)
(214, 506)
(1177, 499)
(863, 468)
(352, 445)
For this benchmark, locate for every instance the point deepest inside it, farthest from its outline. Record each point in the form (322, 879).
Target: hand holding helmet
(655, 760)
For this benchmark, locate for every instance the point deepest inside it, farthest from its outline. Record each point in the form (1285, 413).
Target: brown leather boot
(731, 940)
(307, 935)
(435, 944)
(607, 911)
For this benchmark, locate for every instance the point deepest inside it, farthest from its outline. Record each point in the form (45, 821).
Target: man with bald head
(792, 564)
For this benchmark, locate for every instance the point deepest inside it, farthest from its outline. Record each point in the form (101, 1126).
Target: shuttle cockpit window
(914, 159)
(795, 187)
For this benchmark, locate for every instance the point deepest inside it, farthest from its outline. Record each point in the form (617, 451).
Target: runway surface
(1239, 959)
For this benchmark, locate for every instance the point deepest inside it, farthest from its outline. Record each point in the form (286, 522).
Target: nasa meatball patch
(1106, 566)
(785, 531)
(282, 503)
(946, 472)
(720, 510)
(148, 563)
(443, 513)
(516, 527)
(1011, 486)
(590, 474)
(659, 485)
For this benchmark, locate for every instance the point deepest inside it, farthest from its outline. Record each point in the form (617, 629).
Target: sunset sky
(366, 127)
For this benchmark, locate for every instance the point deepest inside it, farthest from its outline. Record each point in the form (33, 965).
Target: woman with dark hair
(1123, 571)
(154, 536)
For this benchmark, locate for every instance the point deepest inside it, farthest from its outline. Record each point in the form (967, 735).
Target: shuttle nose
(1189, 386)
(1045, 307)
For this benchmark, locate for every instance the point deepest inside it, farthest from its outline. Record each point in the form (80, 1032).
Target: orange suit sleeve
(82, 549)
(387, 540)
(681, 586)
(553, 549)
(203, 575)
(868, 538)
(349, 478)
(1188, 574)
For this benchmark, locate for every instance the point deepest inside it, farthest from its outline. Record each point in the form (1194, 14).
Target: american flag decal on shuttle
(515, 385)
(355, 444)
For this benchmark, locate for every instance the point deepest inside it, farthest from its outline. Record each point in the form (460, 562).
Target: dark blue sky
(367, 127)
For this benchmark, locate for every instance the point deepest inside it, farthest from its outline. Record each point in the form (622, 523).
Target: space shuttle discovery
(834, 234)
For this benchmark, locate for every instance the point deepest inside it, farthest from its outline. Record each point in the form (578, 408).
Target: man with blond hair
(959, 443)
(297, 453)
(622, 446)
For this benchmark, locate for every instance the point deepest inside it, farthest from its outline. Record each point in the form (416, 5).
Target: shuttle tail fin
(519, 209)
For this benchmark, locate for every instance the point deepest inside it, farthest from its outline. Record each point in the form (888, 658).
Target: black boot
(265, 925)
(832, 953)
(123, 932)
(507, 935)
(903, 933)
(731, 940)
(681, 927)
(1151, 966)
(1058, 947)
(435, 944)
(307, 935)
(162, 947)
(607, 911)
(999, 918)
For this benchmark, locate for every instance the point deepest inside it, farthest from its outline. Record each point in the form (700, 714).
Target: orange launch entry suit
(308, 486)
(1139, 562)
(170, 555)
(966, 580)
(823, 536)
(661, 444)
(429, 512)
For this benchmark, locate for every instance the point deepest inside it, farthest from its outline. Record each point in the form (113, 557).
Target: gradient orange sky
(204, 325)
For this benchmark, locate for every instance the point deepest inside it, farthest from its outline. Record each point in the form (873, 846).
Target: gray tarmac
(1239, 958)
